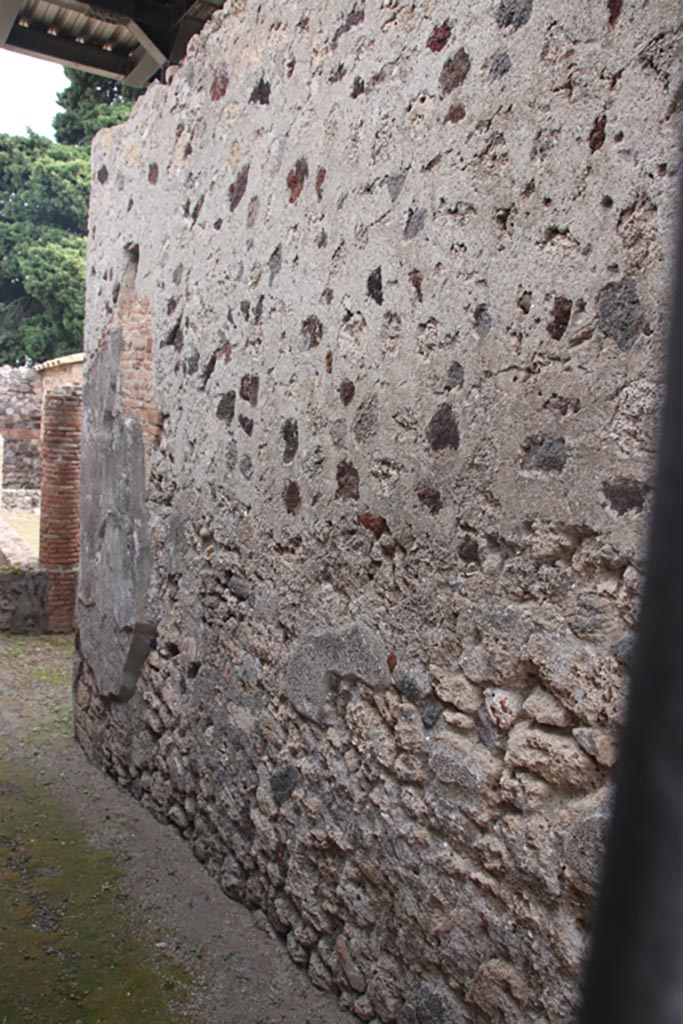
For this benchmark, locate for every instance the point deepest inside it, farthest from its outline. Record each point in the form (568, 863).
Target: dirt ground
(26, 524)
(105, 916)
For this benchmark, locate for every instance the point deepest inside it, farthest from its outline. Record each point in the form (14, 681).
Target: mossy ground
(66, 945)
(105, 915)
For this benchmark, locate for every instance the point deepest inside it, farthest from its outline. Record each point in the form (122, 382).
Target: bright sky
(28, 89)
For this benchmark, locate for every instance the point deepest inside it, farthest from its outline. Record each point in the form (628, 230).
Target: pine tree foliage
(44, 190)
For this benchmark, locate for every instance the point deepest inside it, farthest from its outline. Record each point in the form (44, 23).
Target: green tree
(89, 103)
(43, 220)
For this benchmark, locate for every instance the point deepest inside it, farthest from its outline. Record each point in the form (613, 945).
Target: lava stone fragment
(562, 311)
(545, 453)
(439, 37)
(442, 429)
(514, 13)
(312, 331)
(225, 410)
(238, 187)
(375, 286)
(619, 314)
(292, 497)
(431, 714)
(430, 497)
(261, 93)
(347, 390)
(296, 179)
(290, 434)
(283, 781)
(500, 64)
(347, 481)
(455, 71)
(625, 494)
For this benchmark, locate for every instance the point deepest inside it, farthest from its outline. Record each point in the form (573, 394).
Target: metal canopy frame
(129, 40)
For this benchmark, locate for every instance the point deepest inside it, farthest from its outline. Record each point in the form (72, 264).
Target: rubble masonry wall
(376, 303)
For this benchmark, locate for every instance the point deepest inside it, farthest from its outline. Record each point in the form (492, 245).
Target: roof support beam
(68, 51)
(8, 15)
(147, 66)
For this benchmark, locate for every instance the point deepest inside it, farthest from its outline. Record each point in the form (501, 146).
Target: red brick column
(59, 504)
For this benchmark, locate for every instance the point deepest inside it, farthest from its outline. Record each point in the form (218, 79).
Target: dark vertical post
(635, 970)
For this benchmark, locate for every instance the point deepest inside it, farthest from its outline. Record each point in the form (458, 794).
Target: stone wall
(376, 301)
(23, 586)
(20, 397)
(23, 599)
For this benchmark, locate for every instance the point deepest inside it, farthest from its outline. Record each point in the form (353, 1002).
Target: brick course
(59, 525)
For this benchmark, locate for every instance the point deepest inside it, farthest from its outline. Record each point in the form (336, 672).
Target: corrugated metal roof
(124, 39)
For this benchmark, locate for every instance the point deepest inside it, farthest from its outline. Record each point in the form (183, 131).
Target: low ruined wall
(23, 598)
(20, 397)
(376, 302)
(23, 586)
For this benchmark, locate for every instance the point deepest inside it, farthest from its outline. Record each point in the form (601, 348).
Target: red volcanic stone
(319, 182)
(219, 86)
(347, 390)
(439, 37)
(296, 179)
(596, 139)
(416, 281)
(456, 112)
(455, 71)
(376, 524)
(392, 661)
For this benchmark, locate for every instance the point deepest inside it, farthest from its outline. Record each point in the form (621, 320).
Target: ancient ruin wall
(376, 301)
(20, 397)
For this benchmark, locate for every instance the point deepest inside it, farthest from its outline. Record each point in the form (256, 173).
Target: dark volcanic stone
(375, 286)
(347, 481)
(545, 453)
(469, 550)
(500, 64)
(225, 410)
(292, 496)
(347, 390)
(625, 494)
(619, 312)
(408, 687)
(290, 433)
(514, 12)
(312, 331)
(431, 714)
(562, 311)
(433, 1006)
(415, 223)
(283, 782)
(442, 429)
(249, 386)
(261, 93)
(430, 497)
